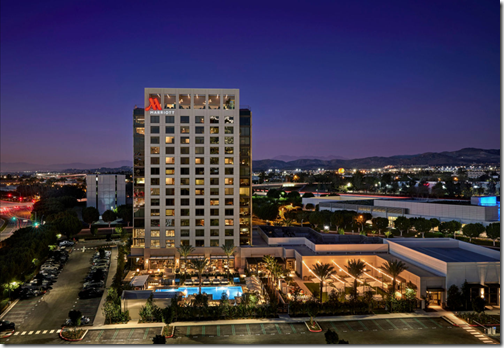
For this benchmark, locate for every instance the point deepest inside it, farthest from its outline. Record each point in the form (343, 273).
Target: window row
(170, 243)
(186, 212)
(186, 222)
(197, 130)
(214, 191)
(187, 233)
(197, 160)
(198, 181)
(197, 140)
(186, 201)
(197, 119)
(187, 170)
(184, 150)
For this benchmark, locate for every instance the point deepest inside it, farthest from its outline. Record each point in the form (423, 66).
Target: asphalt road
(46, 314)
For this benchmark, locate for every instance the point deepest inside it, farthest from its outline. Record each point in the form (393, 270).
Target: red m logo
(154, 104)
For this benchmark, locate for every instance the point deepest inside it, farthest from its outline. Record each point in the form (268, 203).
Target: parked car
(66, 243)
(7, 325)
(94, 284)
(90, 293)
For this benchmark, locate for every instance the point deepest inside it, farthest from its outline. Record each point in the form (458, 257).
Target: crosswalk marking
(30, 333)
(24, 333)
(45, 331)
(51, 331)
(36, 333)
(17, 333)
(58, 331)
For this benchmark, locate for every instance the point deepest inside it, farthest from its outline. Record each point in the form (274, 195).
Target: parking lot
(383, 331)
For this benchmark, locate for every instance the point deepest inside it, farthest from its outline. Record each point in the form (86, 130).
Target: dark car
(90, 293)
(7, 325)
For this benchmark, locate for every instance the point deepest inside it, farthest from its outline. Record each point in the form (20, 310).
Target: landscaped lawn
(316, 287)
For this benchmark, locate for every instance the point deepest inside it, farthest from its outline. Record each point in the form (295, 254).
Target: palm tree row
(356, 269)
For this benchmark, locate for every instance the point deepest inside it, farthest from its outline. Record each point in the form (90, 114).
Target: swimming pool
(215, 291)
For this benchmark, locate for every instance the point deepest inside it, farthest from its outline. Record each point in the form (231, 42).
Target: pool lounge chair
(206, 281)
(216, 282)
(224, 281)
(188, 282)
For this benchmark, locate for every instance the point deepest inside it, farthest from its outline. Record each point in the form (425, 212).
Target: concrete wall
(417, 258)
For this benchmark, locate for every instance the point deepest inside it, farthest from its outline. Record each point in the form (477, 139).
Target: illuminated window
(199, 150)
(170, 101)
(154, 234)
(154, 150)
(228, 130)
(214, 119)
(214, 130)
(170, 212)
(184, 129)
(170, 243)
(170, 171)
(228, 181)
(214, 202)
(229, 201)
(229, 150)
(170, 181)
(199, 192)
(229, 160)
(169, 140)
(228, 103)
(229, 222)
(214, 222)
(184, 181)
(200, 222)
(154, 243)
(228, 140)
(199, 119)
(229, 191)
(170, 233)
(154, 191)
(214, 140)
(199, 181)
(184, 222)
(199, 160)
(229, 119)
(184, 140)
(154, 212)
(200, 101)
(170, 160)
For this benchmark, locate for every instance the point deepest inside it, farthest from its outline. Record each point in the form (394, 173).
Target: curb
(9, 335)
(9, 308)
(72, 340)
(306, 323)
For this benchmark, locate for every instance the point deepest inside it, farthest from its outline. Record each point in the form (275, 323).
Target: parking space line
(131, 334)
(395, 327)
(364, 326)
(248, 329)
(411, 327)
(435, 322)
(278, 329)
(99, 335)
(263, 329)
(378, 325)
(348, 325)
(293, 328)
(188, 331)
(233, 329)
(425, 326)
(218, 330)
(203, 330)
(146, 332)
(115, 334)
(334, 326)
(24, 333)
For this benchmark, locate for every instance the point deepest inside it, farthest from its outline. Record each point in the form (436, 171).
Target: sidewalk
(99, 319)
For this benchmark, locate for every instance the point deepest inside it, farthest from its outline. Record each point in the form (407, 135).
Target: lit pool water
(215, 291)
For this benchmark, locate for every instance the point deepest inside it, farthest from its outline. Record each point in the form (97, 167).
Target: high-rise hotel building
(192, 174)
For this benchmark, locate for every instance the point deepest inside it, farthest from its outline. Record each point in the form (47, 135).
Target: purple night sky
(345, 78)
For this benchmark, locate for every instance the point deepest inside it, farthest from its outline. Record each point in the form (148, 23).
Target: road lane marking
(45, 331)
(24, 333)
(263, 329)
(58, 331)
(278, 329)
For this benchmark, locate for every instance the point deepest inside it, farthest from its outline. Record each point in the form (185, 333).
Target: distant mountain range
(23, 166)
(467, 156)
(287, 158)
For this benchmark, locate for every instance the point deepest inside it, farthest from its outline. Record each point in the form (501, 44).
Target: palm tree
(200, 265)
(270, 265)
(184, 251)
(229, 251)
(394, 268)
(355, 268)
(324, 271)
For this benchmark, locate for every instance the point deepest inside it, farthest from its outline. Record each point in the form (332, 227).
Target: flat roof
(139, 280)
(411, 267)
(453, 254)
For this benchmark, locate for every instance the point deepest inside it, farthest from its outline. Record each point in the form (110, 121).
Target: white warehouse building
(105, 191)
